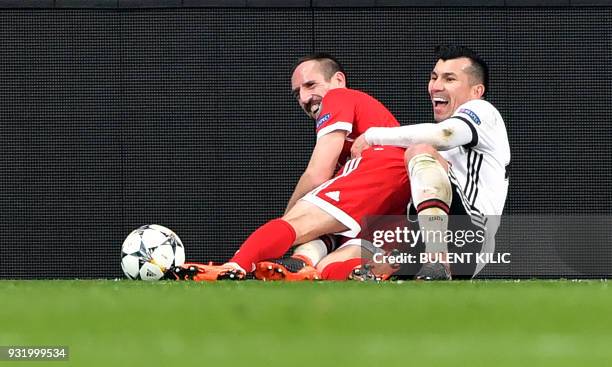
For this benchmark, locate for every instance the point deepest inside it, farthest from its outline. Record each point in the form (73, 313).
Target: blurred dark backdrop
(111, 119)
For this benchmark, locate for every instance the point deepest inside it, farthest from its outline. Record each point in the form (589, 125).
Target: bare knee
(417, 149)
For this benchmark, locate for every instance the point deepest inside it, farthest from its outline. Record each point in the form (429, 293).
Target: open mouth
(314, 109)
(439, 102)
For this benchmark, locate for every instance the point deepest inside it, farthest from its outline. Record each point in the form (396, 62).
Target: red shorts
(375, 184)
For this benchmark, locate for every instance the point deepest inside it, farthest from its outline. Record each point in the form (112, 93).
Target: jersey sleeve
(337, 113)
(482, 119)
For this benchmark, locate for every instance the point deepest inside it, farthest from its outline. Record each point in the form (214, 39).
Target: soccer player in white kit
(457, 165)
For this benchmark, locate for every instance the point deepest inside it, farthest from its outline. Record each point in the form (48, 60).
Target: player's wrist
(370, 136)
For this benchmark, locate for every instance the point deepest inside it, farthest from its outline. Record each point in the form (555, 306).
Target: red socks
(340, 270)
(270, 241)
(273, 240)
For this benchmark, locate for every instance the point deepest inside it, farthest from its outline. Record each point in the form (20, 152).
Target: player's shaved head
(328, 64)
(478, 71)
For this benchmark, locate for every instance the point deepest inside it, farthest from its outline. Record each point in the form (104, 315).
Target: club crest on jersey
(472, 115)
(323, 119)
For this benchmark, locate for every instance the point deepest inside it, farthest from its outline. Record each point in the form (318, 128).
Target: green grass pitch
(481, 323)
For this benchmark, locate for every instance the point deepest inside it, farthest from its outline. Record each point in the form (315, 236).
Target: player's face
(450, 87)
(309, 86)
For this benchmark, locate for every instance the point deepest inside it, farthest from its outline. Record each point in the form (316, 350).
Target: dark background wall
(115, 118)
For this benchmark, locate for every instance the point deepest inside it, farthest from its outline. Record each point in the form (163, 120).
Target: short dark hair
(329, 64)
(479, 69)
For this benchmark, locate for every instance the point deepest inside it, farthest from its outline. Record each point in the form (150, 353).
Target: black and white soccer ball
(149, 251)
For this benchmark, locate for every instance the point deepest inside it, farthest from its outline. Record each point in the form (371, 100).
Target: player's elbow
(442, 145)
(444, 138)
(450, 134)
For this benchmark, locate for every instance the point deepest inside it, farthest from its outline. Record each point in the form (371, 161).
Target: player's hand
(359, 145)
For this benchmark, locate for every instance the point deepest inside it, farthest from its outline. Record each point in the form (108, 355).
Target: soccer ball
(149, 251)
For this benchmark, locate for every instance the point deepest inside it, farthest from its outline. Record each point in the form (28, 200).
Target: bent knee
(417, 149)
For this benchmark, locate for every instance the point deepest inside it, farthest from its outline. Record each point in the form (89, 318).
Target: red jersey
(352, 111)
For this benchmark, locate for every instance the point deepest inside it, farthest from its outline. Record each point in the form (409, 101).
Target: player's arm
(444, 135)
(321, 166)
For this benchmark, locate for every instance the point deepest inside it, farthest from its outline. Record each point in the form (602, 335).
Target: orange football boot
(200, 272)
(291, 269)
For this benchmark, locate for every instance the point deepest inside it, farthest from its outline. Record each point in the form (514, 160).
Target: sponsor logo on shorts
(323, 119)
(472, 115)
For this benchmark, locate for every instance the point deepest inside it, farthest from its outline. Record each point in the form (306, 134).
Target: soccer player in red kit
(326, 200)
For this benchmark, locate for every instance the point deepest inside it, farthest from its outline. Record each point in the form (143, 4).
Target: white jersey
(479, 168)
